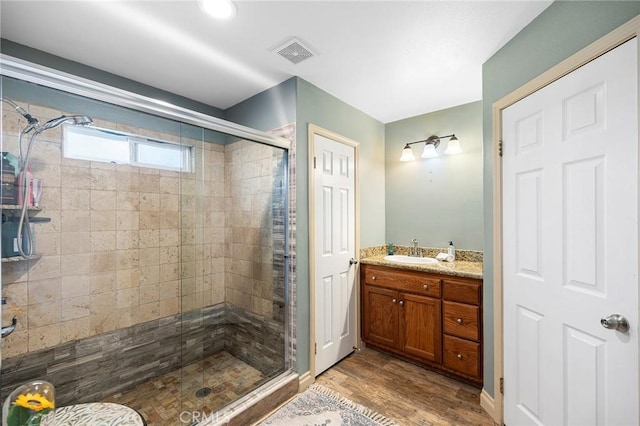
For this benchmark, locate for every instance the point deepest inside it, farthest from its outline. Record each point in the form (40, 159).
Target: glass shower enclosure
(160, 275)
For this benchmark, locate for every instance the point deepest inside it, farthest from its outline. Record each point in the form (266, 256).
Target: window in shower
(163, 155)
(95, 144)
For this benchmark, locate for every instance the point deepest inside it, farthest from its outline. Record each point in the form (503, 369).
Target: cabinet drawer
(462, 356)
(460, 290)
(415, 282)
(461, 320)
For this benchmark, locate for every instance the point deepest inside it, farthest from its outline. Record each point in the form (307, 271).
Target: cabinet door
(421, 326)
(380, 316)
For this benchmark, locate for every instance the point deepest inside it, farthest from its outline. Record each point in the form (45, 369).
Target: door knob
(353, 261)
(615, 322)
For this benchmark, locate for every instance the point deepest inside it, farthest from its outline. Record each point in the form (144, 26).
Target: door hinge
(314, 162)
(502, 385)
(500, 148)
(315, 349)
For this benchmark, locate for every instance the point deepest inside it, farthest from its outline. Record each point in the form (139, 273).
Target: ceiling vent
(294, 51)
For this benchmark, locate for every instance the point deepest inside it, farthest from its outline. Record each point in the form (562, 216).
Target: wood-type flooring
(406, 393)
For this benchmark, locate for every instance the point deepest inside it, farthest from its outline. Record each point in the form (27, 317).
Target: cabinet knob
(373, 278)
(393, 300)
(402, 303)
(459, 356)
(426, 287)
(459, 320)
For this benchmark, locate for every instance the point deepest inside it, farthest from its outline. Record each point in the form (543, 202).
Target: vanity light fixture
(430, 146)
(219, 9)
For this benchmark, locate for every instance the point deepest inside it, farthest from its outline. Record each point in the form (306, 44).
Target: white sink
(410, 259)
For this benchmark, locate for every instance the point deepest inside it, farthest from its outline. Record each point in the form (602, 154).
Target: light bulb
(429, 151)
(453, 147)
(407, 154)
(219, 9)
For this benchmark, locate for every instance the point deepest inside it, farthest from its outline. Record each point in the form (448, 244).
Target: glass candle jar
(31, 404)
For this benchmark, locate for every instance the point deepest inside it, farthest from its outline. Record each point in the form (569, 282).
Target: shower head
(33, 122)
(76, 120)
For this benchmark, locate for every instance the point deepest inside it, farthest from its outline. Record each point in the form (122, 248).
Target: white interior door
(570, 247)
(334, 247)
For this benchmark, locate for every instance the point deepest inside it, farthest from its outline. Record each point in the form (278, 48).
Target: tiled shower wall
(255, 274)
(125, 244)
(251, 194)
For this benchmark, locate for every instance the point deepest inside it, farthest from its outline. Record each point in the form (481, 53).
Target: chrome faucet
(14, 321)
(415, 251)
(11, 328)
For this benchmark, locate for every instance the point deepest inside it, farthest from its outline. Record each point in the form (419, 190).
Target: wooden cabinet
(462, 317)
(430, 318)
(420, 326)
(381, 322)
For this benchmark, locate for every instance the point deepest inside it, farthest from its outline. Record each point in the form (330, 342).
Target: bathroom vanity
(428, 316)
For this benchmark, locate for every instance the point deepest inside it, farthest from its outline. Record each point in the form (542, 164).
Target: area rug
(319, 406)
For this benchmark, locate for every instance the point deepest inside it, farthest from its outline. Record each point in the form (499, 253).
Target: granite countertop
(468, 265)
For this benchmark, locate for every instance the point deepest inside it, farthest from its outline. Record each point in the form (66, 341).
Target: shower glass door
(160, 279)
(233, 214)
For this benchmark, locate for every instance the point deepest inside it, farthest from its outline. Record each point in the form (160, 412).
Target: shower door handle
(10, 329)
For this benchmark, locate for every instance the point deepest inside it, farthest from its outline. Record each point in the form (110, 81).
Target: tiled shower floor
(161, 400)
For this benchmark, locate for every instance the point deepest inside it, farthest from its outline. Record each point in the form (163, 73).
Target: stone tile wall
(90, 369)
(249, 262)
(256, 275)
(125, 244)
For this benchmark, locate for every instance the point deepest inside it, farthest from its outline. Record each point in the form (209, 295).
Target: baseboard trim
(486, 402)
(305, 381)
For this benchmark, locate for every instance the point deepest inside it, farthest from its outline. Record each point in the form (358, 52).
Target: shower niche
(150, 283)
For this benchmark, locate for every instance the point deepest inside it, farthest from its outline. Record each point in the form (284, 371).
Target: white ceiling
(389, 59)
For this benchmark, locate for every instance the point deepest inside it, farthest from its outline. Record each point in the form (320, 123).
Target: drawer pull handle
(459, 321)
(393, 300)
(459, 356)
(373, 278)
(426, 287)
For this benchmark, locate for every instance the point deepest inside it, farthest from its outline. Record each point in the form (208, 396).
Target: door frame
(314, 131)
(495, 406)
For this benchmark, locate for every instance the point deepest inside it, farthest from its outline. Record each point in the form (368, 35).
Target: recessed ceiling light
(219, 9)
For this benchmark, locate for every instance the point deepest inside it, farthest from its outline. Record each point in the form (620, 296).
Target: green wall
(267, 110)
(560, 31)
(315, 106)
(437, 199)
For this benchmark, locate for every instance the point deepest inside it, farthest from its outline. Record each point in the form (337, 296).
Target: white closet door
(570, 229)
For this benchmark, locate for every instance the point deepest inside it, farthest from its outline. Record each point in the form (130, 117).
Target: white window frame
(134, 141)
